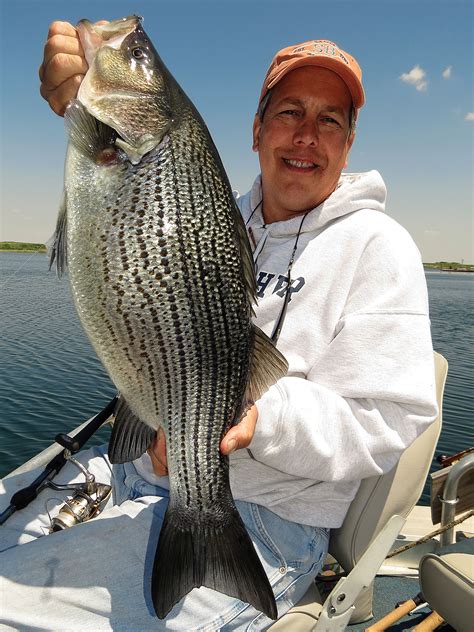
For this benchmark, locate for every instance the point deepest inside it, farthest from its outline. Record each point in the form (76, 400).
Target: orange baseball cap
(317, 53)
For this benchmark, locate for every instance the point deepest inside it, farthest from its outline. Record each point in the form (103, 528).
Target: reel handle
(67, 442)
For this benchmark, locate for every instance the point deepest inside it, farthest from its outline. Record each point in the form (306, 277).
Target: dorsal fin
(58, 249)
(245, 256)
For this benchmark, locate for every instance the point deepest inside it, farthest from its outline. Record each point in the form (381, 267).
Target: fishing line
(18, 270)
(60, 502)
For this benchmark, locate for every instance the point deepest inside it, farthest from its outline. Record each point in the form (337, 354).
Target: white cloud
(431, 232)
(20, 214)
(447, 72)
(469, 116)
(417, 78)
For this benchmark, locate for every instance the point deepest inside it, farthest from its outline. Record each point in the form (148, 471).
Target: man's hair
(266, 100)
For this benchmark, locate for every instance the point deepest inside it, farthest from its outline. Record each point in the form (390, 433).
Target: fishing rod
(23, 497)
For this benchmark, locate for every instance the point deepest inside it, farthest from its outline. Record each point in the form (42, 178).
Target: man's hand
(237, 437)
(63, 67)
(157, 452)
(240, 435)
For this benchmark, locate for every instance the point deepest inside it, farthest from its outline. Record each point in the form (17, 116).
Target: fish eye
(138, 52)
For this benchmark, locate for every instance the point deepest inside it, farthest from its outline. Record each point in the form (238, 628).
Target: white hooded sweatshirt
(360, 385)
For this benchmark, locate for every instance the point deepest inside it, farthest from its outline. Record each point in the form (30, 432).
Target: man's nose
(307, 133)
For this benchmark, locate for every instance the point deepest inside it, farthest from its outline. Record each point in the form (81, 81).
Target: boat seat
(447, 583)
(372, 523)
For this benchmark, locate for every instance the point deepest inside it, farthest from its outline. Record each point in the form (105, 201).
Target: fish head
(125, 85)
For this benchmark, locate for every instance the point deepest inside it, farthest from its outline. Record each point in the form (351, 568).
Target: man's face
(303, 141)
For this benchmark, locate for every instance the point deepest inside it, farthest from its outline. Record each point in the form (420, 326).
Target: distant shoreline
(25, 250)
(438, 266)
(21, 246)
(444, 266)
(458, 271)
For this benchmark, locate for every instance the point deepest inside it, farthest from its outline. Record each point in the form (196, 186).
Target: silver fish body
(162, 279)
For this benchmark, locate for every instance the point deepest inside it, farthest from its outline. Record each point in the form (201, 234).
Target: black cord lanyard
(251, 214)
(281, 318)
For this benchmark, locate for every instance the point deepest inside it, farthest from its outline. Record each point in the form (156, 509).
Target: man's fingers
(61, 28)
(61, 44)
(241, 435)
(161, 447)
(60, 97)
(58, 33)
(157, 452)
(61, 68)
(64, 65)
(158, 468)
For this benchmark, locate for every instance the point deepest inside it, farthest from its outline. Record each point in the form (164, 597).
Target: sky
(416, 127)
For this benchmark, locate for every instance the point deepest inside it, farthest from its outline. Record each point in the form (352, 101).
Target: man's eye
(290, 112)
(330, 120)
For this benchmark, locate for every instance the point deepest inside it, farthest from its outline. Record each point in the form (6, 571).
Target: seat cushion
(447, 583)
(303, 616)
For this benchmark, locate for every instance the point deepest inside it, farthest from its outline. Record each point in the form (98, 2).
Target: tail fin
(192, 554)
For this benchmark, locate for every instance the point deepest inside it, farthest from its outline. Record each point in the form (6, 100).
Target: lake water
(51, 380)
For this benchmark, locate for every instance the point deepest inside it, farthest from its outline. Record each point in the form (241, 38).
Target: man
(341, 287)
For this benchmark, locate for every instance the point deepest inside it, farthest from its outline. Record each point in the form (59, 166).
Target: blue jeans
(96, 576)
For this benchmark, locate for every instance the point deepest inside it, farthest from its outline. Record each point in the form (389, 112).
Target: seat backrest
(395, 492)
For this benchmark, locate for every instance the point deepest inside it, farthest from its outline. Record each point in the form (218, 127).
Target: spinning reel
(89, 498)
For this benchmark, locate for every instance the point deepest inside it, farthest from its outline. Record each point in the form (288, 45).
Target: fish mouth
(93, 36)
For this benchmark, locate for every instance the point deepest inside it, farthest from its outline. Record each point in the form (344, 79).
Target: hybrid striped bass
(163, 281)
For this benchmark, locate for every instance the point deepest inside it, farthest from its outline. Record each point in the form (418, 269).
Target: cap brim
(353, 84)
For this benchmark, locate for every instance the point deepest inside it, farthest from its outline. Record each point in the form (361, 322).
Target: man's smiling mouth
(300, 164)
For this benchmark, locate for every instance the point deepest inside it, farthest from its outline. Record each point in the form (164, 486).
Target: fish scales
(217, 338)
(202, 273)
(162, 278)
(201, 294)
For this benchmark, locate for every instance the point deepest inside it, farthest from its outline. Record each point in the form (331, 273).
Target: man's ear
(257, 124)
(350, 140)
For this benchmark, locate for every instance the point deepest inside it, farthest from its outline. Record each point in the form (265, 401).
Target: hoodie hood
(355, 191)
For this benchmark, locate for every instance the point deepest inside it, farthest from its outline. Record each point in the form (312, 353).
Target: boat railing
(449, 498)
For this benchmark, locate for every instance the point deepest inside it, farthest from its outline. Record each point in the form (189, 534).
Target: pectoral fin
(88, 135)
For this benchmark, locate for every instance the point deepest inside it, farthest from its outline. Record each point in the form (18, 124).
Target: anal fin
(267, 366)
(130, 436)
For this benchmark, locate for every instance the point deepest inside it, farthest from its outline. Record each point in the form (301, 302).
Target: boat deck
(397, 580)
(388, 591)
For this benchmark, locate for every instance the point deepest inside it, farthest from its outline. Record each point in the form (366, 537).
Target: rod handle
(394, 616)
(431, 622)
